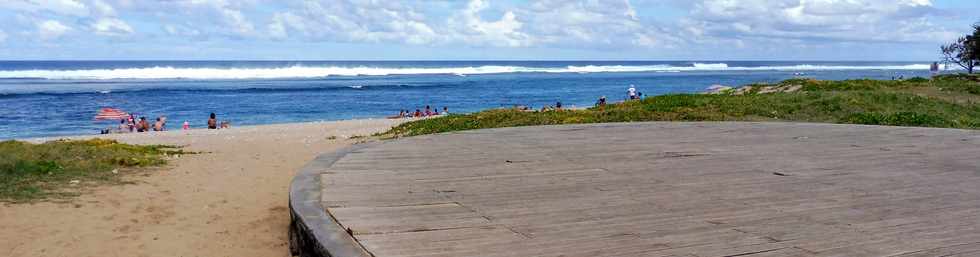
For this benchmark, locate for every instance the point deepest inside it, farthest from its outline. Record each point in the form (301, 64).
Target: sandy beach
(231, 200)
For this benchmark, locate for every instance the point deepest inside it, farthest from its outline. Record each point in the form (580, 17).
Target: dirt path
(231, 201)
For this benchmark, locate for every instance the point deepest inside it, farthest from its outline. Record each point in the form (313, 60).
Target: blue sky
(482, 29)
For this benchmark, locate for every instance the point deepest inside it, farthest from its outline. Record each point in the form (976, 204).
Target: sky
(881, 30)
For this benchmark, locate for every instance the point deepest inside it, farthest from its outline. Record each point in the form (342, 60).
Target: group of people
(142, 125)
(556, 107)
(132, 124)
(138, 125)
(213, 123)
(544, 108)
(633, 94)
(419, 113)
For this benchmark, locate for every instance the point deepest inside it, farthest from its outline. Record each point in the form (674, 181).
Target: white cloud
(111, 27)
(827, 20)
(70, 7)
(51, 29)
(170, 29)
(181, 31)
(587, 23)
(237, 21)
(61, 7)
(602, 25)
(282, 22)
(3, 36)
(229, 12)
(469, 27)
(353, 21)
(103, 8)
(277, 28)
(578, 24)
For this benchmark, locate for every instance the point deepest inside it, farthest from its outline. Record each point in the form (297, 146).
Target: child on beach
(213, 122)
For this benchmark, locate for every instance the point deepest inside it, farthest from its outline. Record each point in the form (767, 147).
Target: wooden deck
(665, 189)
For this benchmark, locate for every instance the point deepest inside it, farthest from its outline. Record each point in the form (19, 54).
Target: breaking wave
(299, 71)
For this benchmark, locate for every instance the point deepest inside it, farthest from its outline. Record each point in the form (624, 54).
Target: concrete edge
(313, 232)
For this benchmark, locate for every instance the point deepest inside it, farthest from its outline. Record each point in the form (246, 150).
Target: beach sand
(230, 200)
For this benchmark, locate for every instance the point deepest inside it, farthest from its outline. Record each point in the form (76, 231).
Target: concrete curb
(313, 232)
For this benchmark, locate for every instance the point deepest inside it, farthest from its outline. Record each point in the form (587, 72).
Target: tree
(965, 51)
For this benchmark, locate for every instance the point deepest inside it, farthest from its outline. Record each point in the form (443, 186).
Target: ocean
(57, 98)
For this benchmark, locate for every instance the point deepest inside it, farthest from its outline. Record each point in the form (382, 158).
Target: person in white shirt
(632, 92)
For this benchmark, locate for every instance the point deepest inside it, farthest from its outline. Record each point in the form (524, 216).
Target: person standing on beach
(428, 111)
(445, 110)
(187, 125)
(631, 92)
(132, 123)
(213, 121)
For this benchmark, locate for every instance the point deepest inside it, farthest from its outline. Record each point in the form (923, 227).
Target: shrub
(896, 119)
(34, 171)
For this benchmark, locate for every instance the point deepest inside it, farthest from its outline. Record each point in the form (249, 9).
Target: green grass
(946, 102)
(44, 171)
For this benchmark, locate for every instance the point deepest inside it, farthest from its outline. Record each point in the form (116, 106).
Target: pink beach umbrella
(111, 114)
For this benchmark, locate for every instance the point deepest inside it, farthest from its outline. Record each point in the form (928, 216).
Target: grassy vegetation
(60, 169)
(945, 101)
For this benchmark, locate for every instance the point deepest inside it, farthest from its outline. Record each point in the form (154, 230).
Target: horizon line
(451, 60)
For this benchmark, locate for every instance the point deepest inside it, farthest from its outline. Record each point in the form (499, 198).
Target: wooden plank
(664, 189)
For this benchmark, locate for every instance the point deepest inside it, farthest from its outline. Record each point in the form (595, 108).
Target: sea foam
(299, 71)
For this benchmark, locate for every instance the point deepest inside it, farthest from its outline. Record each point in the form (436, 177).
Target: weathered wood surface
(665, 189)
